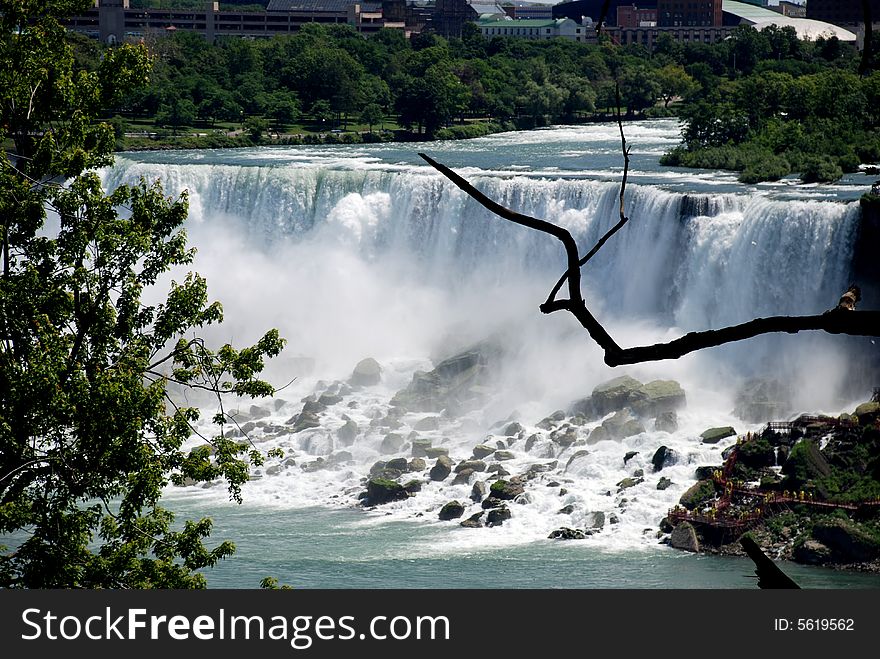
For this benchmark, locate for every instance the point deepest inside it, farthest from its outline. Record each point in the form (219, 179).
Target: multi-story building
(114, 20)
(592, 9)
(791, 9)
(629, 16)
(689, 13)
(842, 12)
(537, 29)
(521, 10)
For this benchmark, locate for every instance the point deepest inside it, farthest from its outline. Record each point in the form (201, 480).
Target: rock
(503, 455)
(849, 542)
(258, 412)
(420, 447)
(531, 441)
(347, 433)
(452, 510)
(627, 483)
(273, 470)
(639, 473)
(366, 373)
(697, 493)
(715, 435)
(474, 521)
(546, 424)
(278, 403)
(705, 472)
(684, 536)
(417, 464)
(463, 477)
(662, 396)
(392, 443)
(248, 427)
(497, 516)
(623, 424)
(428, 423)
(482, 450)
(629, 456)
(663, 457)
(456, 384)
(614, 395)
(512, 429)
(599, 434)
(436, 451)
(597, 520)
(506, 490)
(567, 438)
(491, 502)
(341, 457)
(805, 462)
(380, 491)
(761, 399)
(566, 533)
(540, 468)
(328, 400)
(313, 406)
(613, 519)
(577, 456)
(566, 510)
(377, 468)
(666, 422)
(812, 552)
(413, 486)
(473, 465)
(867, 413)
(398, 464)
(305, 421)
(663, 483)
(441, 469)
(479, 491)
(666, 526)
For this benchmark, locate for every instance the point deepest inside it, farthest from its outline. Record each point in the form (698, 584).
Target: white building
(534, 29)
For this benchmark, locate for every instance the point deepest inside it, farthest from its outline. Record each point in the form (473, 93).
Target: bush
(767, 167)
(820, 169)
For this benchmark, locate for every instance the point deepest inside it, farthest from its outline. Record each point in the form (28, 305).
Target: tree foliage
(89, 433)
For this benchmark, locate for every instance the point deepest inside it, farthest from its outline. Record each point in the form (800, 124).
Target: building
(449, 16)
(647, 36)
(553, 28)
(114, 21)
(631, 16)
(592, 9)
(741, 13)
(687, 13)
(842, 12)
(791, 9)
(520, 10)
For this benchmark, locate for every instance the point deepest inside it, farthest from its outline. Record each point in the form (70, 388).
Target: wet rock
(381, 491)
(566, 533)
(313, 406)
(613, 519)
(512, 429)
(474, 521)
(248, 427)
(666, 422)
(441, 469)
(456, 384)
(497, 516)
(662, 396)
(705, 472)
(867, 413)
(812, 552)
(327, 400)
(715, 435)
(684, 536)
(398, 464)
(567, 438)
(366, 373)
(848, 541)
(482, 450)
(491, 502)
(305, 421)
(599, 434)
(377, 467)
(666, 526)
(805, 462)
(616, 394)
(450, 511)
(623, 424)
(503, 455)
(428, 423)
(413, 486)
(506, 490)
(663, 483)
(258, 412)
(473, 465)
(463, 477)
(347, 433)
(629, 456)
(566, 510)
(273, 470)
(436, 451)
(417, 464)
(697, 494)
(531, 441)
(663, 457)
(341, 457)
(627, 483)
(479, 491)
(392, 443)
(420, 447)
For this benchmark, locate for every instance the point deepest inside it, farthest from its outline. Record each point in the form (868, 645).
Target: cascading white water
(353, 253)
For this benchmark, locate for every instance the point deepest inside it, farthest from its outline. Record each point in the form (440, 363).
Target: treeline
(763, 103)
(775, 105)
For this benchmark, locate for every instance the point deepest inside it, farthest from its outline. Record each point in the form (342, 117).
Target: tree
(178, 113)
(255, 127)
(372, 114)
(674, 83)
(89, 431)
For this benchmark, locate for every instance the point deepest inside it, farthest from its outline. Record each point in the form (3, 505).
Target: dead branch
(840, 320)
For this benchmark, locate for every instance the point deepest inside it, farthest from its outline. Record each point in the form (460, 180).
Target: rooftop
(806, 28)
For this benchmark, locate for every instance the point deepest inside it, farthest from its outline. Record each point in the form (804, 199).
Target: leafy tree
(371, 114)
(255, 127)
(674, 82)
(282, 107)
(89, 434)
(322, 114)
(180, 112)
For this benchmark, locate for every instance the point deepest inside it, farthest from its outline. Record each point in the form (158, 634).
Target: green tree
(372, 114)
(255, 127)
(674, 83)
(89, 434)
(178, 113)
